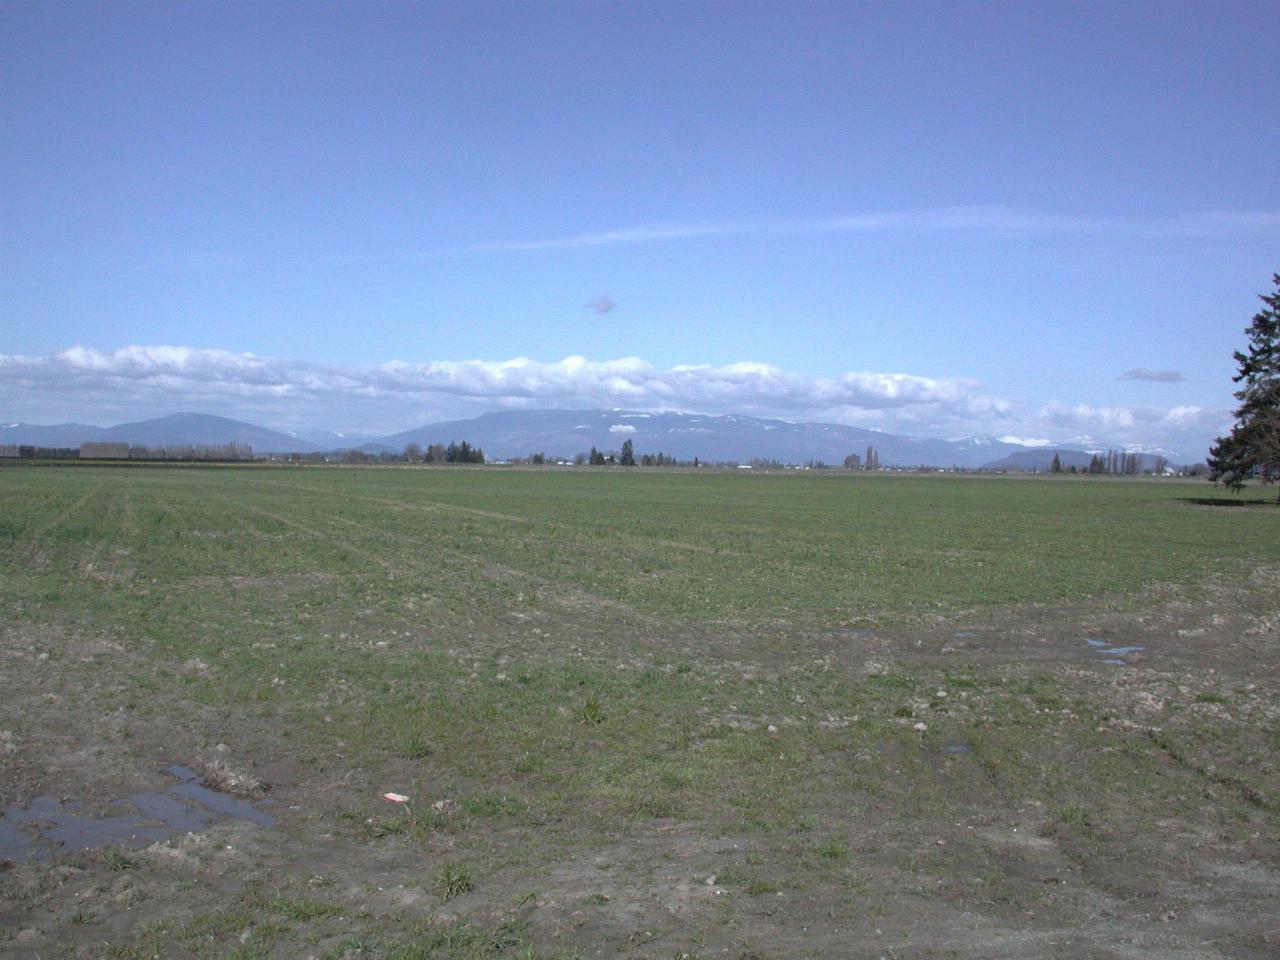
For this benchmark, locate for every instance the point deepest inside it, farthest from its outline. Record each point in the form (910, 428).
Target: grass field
(646, 714)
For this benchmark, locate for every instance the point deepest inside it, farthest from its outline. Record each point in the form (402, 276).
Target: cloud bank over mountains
(82, 383)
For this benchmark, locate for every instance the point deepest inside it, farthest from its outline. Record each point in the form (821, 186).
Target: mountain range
(564, 433)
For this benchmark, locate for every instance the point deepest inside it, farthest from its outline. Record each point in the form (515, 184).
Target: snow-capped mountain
(565, 433)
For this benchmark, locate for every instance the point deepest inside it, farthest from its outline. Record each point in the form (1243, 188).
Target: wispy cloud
(601, 305)
(1154, 376)
(639, 234)
(990, 219)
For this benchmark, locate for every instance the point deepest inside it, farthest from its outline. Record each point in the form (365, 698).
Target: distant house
(104, 451)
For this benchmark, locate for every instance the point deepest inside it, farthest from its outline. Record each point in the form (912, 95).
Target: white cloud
(138, 377)
(1187, 429)
(622, 428)
(83, 383)
(1084, 415)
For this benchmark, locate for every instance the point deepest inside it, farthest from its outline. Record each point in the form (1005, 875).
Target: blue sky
(1041, 220)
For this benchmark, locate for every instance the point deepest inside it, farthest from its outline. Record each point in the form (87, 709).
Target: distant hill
(188, 429)
(51, 435)
(563, 433)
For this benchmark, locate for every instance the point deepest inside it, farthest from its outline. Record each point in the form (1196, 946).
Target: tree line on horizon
(1115, 463)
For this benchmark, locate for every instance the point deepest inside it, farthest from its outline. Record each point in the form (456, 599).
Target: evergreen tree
(1056, 466)
(628, 457)
(1253, 446)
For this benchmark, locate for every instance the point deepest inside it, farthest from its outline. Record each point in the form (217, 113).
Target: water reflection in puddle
(183, 808)
(1113, 655)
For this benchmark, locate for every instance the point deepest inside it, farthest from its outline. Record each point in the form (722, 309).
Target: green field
(822, 549)
(837, 697)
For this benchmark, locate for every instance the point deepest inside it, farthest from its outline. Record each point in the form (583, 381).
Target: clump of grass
(591, 713)
(529, 762)
(301, 908)
(381, 827)
(831, 850)
(413, 746)
(454, 879)
(657, 805)
(115, 860)
(1210, 697)
(1074, 815)
(760, 887)
(494, 805)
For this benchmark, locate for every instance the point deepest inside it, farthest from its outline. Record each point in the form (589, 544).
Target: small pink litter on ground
(395, 797)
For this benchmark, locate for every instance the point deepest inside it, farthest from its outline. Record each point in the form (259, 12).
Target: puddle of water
(74, 832)
(964, 634)
(14, 844)
(1113, 654)
(229, 806)
(183, 808)
(182, 817)
(955, 748)
(860, 634)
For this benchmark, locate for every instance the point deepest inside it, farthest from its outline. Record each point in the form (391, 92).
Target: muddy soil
(114, 845)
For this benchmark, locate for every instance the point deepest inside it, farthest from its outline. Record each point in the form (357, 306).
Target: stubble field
(636, 714)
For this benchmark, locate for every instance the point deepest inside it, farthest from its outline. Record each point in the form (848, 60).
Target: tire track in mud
(1251, 794)
(574, 600)
(798, 569)
(568, 599)
(36, 555)
(318, 534)
(441, 506)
